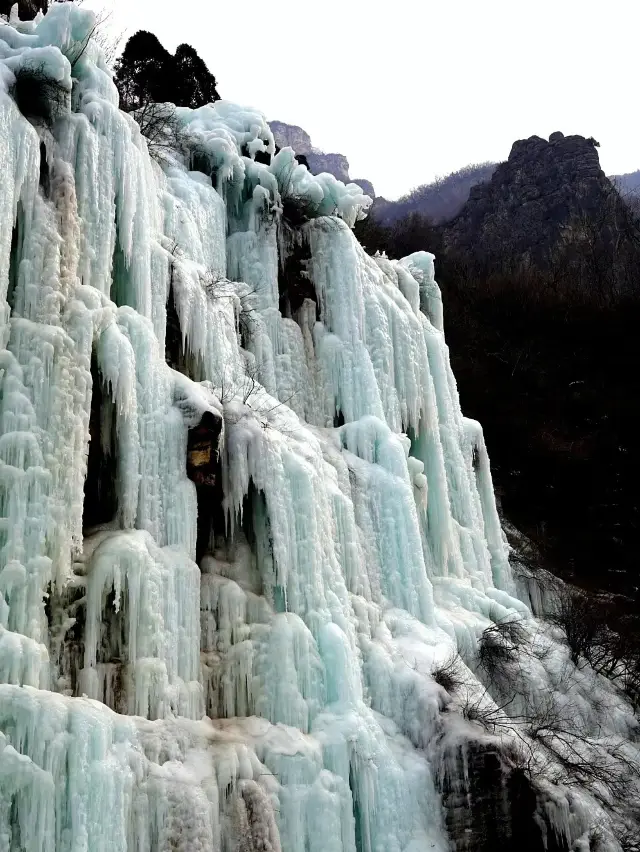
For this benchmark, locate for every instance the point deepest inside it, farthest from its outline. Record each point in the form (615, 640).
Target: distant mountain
(293, 136)
(628, 184)
(443, 199)
(439, 201)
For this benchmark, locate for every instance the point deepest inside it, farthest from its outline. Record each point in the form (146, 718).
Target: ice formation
(242, 518)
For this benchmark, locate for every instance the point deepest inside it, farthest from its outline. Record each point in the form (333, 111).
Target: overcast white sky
(411, 89)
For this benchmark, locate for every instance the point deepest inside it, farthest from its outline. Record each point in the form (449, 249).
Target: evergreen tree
(194, 85)
(147, 73)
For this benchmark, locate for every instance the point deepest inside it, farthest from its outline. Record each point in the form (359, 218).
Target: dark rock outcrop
(202, 450)
(547, 197)
(27, 9)
(490, 803)
(204, 470)
(336, 164)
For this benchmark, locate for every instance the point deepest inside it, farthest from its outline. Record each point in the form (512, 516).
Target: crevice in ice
(143, 616)
(357, 816)
(44, 179)
(100, 485)
(263, 157)
(174, 351)
(120, 285)
(256, 527)
(66, 614)
(200, 161)
(15, 257)
(294, 284)
(204, 469)
(110, 664)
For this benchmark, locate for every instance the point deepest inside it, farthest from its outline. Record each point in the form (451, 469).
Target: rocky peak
(534, 203)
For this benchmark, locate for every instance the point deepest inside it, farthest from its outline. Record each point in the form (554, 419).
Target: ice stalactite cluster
(242, 518)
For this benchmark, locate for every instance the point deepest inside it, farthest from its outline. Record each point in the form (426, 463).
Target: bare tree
(160, 127)
(448, 675)
(613, 652)
(499, 647)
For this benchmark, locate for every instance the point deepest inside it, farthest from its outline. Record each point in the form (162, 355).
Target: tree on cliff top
(147, 73)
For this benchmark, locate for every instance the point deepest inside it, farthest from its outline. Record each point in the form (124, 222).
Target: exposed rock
(491, 804)
(366, 186)
(202, 450)
(546, 196)
(336, 164)
(292, 136)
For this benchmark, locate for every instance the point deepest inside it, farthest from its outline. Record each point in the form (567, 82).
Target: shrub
(498, 647)
(603, 631)
(479, 710)
(159, 126)
(447, 674)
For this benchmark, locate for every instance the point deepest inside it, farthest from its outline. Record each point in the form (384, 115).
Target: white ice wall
(285, 680)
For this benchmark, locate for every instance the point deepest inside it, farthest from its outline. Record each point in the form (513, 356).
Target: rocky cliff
(292, 136)
(548, 197)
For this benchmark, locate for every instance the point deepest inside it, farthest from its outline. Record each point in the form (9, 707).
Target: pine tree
(194, 85)
(147, 73)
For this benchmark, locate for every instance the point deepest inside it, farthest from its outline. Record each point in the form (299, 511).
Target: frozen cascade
(242, 518)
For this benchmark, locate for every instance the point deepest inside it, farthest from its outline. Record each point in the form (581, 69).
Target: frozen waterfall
(242, 518)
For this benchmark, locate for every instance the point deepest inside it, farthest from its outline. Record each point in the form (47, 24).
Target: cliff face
(292, 136)
(547, 196)
(490, 803)
(336, 164)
